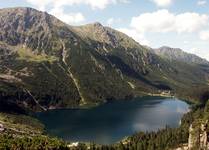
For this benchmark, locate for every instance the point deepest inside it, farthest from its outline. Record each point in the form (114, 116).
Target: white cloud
(70, 18)
(204, 35)
(201, 2)
(162, 3)
(139, 37)
(190, 22)
(164, 21)
(94, 4)
(57, 7)
(112, 21)
(160, 21)
(40, 4)
(186, 42)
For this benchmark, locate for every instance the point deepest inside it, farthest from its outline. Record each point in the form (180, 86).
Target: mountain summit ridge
(179, 54)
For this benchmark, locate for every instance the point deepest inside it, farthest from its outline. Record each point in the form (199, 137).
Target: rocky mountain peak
(21, 18)
(167, 48)
(32, 28)
(179, 55)
(97, 32)
(98, 25)
(18, 24)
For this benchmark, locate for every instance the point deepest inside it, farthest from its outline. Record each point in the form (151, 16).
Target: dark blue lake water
(113, 121)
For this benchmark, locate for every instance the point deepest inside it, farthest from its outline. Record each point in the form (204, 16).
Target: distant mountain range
(179, 55)
(47, 64)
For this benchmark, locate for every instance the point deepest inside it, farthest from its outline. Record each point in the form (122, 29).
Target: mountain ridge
(179, 55)
(47, 64)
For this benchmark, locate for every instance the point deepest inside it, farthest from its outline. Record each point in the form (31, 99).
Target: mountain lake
(115, 120)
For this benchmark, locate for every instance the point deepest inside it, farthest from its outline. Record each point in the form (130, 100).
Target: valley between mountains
(47, 64)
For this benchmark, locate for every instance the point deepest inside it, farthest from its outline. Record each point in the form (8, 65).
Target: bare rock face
(1, 128)
(194, 137)
(198, 137)
(204, 136)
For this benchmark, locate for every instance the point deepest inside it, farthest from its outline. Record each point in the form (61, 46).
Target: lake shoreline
(113, 120)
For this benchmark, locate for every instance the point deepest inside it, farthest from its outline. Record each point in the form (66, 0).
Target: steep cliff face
(198, 137)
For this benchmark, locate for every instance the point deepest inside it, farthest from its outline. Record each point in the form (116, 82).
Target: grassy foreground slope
(24, 132)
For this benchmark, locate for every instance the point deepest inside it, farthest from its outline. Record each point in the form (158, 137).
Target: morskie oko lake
(113, 121)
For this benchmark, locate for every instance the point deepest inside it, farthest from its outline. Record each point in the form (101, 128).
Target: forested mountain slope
(46, 64)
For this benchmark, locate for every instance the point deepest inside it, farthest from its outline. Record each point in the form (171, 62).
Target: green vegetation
(20, 125)
(8, 142)
(28, 55)
(24, 132)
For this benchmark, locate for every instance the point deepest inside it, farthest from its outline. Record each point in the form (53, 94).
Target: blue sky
(176, 23)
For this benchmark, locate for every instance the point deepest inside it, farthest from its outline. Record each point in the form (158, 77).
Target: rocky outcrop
(1, 128)
(198, 137)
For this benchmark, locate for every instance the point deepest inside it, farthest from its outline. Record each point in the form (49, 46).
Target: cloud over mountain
(164, 21)
(95, 4)
(162, 3)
